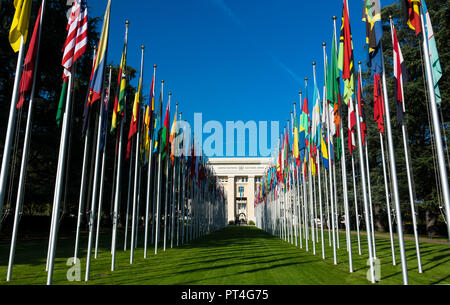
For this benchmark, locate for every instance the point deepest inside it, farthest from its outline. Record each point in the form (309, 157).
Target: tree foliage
(45, 140)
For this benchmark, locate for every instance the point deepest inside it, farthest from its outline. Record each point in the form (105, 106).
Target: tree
(45, 138)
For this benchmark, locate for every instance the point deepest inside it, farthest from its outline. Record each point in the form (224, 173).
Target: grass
(232, 256)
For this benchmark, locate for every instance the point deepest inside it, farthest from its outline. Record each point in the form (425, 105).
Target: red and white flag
(77, 39)
(351, 126)
(399, 73)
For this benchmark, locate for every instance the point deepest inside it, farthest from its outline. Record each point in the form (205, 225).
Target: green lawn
(232, 256)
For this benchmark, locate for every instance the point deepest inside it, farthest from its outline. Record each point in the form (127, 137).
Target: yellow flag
(19, 26)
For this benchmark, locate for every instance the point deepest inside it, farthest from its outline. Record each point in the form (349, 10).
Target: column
(251, 199)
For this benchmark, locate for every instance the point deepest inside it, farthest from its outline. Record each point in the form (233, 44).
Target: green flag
(333, 75)
(61, 105)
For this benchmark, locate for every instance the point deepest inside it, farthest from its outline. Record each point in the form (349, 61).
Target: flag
(134, 118)
(20, 23)
(148, 118)
(173, 131)
(286, 153)
(104, 108)
(378, 103)
(77, 38)
(345, 62)
(413, 15)
(351, 127)
(295, 148)
(374, 32)
(61, 104)
(324, 151)
(304, 125)
(165, 133)
(279, 161)
(315, 121)
(362, 120)
(26, 82)
(96, 81)
(119, 102)
(399, 73)
(434, 56)
(333, 75)
(158, 125)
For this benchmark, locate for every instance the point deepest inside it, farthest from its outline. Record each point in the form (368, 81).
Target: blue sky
(230, 59)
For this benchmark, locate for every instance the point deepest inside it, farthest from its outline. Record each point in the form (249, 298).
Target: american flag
(77, 39)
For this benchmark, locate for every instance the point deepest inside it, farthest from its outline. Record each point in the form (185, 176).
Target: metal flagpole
(368, 177)
(154, 197)
(59, 179)
(365, 199)
(294, 195)
(138, 197)
(87, 139)
(343, 166)
(130, 181)
(408, 168)
(436, 126)
(118, 187)
(184, 184)
(11, 123)
(166, 199)
(95, 189)
(299, 213)
(356, 205)
(102, 172)
(305, 205)
(330, 173)
(394, 175)
(320, 181)
(23, 168)
(149, 178)
(388, 205)
(136, 168)
(174, 167)
(158, 190)
(316, 227)
(179, 189)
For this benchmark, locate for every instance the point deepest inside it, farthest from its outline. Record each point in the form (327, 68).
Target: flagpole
(366, 155)
(136, 166)
(183, 187)
(343, 162)
(356, 205)
(102, 172)
(149, 178)
(299, 195)
(130, 181)
(172, 230)
(166, 199)
(179, 189)
(59, 179)
(320, 179)
(436, 125)
(408, 169)
(11, 123)
(95, 190)
(23, 168)
(394, 176)
(158, 189)
(118, 185)
(331, 178)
